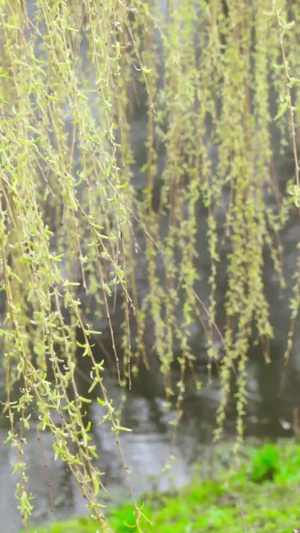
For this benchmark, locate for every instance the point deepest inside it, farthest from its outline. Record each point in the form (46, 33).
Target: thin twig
(288, 94)
(242, 514)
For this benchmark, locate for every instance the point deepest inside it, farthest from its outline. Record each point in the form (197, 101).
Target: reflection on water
(147, 450)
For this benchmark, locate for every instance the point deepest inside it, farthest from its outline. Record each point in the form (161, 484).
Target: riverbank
(259, 491)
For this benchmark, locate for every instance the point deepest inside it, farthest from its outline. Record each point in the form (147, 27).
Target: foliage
(79, 525)
(265, 464)
(232, 501)
(74, 231)
(123, 520)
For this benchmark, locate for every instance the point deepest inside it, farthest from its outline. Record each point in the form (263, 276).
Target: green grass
(262, 495)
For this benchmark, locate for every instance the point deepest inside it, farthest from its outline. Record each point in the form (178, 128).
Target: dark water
(147, 448)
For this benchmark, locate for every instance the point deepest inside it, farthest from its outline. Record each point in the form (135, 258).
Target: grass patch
(261, 495)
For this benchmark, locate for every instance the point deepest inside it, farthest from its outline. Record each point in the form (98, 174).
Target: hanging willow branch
(78, 227)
